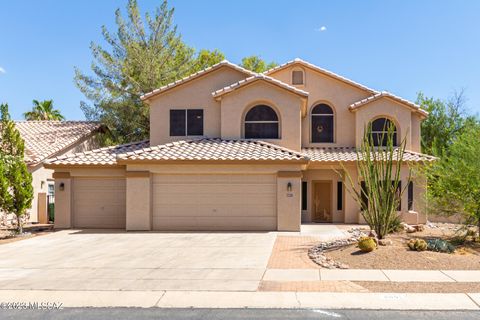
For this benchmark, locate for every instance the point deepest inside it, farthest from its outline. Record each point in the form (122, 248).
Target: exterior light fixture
(289, 187)
(62, 186)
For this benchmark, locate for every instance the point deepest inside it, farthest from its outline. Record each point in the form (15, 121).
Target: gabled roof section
(385, 94)
(299, 61)
(214, 150)
(46, 138)
(196, 75)
(98, 157)
(350, 154)
(258, 77)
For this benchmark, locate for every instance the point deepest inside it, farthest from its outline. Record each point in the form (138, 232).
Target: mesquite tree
(379, 170)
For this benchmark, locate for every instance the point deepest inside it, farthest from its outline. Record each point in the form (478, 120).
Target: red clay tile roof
(349, 154)
(196, 75)
(44, 139)
(257, 77)
(386, 94)
(104, 156)
(321, 70)
(215, 150)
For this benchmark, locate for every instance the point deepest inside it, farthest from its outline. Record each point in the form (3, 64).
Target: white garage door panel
(99, 203)
(216, 202)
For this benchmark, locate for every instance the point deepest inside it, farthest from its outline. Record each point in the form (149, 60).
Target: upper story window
(261, 122)
(322, 123)
(297, 77)
(186, 122)
(380, 129)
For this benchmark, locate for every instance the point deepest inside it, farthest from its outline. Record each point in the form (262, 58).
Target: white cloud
(2, 70)
(321, 29)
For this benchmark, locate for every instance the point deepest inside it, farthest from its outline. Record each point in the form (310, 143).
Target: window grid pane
(195, 122)
(322, 128)
(177, 122)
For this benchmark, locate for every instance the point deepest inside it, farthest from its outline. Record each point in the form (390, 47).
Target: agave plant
(43, 110)
(379, 175)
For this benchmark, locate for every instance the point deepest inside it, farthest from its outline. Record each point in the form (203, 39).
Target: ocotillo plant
(379, 170)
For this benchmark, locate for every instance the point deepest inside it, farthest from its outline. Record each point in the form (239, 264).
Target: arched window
(322, 123)
(380, 129)
(261, 122)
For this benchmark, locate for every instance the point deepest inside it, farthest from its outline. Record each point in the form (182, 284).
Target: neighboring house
(46, 139)
(231, 149)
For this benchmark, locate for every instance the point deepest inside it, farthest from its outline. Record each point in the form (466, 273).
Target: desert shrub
(395, 225)
(440, 245)
(417, 245)
(367, 244)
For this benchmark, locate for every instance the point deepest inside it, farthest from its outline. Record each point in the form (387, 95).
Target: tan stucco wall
(139, 202)
(327, 174)
(400, 115)
(41, 174)
(63, 203)
(288, 106)
(289, 202)
(335, 93)
(64, 199)
(196, 94)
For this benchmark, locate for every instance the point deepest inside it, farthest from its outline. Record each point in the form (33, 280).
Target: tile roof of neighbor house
(386, 94)
(196, 75)
(98, 157)
(215, 150)
(258, 77)
(349, 154)
(45, 138)
(321, 70)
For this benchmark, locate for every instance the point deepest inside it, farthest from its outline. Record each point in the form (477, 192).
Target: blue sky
(401, 46)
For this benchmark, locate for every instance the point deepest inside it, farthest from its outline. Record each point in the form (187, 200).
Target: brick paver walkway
(292, 253)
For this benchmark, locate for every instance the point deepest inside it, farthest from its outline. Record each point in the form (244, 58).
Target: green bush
(367, 244)
(417, 245)
(439, 245)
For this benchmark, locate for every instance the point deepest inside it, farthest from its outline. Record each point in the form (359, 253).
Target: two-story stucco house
(231, 149)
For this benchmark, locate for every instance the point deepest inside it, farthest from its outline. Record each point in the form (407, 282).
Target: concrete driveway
(96, 260)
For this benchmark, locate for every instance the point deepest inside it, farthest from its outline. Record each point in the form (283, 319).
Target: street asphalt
(230, 314)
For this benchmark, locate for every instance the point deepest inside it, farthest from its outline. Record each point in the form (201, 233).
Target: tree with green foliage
(257, 64)
(43, 110)
(445, 121)
(16, 187)
(379, 172)
(143, 55)
(454, 186)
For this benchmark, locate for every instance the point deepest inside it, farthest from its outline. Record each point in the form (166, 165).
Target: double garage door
(214, 202)
(182, 202)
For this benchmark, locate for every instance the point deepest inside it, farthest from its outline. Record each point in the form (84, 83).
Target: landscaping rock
(385, 242)
(5, 234)
(317, 253)
(419, 227)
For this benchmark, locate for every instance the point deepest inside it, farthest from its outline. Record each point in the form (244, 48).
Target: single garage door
(214, 202)
(99, 203)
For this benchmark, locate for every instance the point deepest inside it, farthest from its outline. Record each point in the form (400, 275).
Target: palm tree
(43, 110)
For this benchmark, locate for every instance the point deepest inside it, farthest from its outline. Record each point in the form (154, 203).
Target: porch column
(139, 217)
(352, 209)
(289, 200)
(63, 200)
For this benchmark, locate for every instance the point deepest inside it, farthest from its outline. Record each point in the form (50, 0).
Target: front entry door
(322, 201)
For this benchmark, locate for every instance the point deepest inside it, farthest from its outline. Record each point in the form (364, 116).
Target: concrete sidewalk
(211, 299)
(372, 275)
